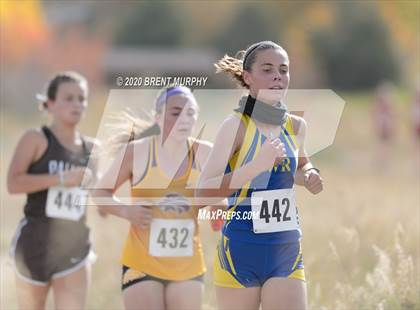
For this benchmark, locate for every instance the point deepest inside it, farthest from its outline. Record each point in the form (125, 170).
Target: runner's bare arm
(30, 148)
(122, 167)
(299, 127)
(203, 152)
(311, 180)
(213, 182)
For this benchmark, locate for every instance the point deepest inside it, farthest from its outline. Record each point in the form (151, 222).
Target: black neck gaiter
(262, 112)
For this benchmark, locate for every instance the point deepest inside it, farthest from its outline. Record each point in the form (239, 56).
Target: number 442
(275, 211)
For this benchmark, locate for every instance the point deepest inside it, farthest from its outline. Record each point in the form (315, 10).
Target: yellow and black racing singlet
(170, 248)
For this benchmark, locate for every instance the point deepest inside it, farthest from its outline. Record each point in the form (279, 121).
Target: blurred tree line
(343, 45)
(354, 50)
(357, 53)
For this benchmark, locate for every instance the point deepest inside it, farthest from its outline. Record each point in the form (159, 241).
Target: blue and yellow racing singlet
(270, 185)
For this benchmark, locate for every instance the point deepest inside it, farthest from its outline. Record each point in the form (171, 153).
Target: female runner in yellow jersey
(162, 260)
(259, 259)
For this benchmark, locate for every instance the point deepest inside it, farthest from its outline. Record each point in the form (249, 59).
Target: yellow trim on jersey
(296, 261)
(131, 275)
(288, 138)
(292, 134)
(297, 257)
(226, 246)
(298, 274)
(240, 156)
(221, 276)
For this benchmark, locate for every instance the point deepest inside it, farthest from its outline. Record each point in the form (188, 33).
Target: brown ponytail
(243, 60)
(232, 66)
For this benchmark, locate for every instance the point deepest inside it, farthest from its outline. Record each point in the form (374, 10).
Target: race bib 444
(66, 203)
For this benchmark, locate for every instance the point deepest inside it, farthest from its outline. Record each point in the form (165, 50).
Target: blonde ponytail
(128, 127)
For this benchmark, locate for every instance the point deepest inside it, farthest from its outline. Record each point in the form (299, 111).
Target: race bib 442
(274, 210)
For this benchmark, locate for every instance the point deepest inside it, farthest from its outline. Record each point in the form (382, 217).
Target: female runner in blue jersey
(259, 258)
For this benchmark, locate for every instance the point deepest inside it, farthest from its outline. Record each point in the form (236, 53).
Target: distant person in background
(416, 114)
(384, 113)
(416, 128)
(384, 122)
(52, 248)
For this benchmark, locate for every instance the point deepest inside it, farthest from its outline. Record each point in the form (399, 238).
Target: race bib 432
(172, 237)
